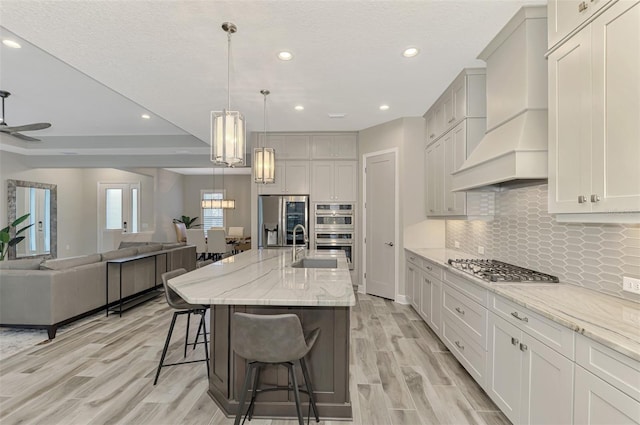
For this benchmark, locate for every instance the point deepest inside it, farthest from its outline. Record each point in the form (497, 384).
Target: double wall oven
(335, 228)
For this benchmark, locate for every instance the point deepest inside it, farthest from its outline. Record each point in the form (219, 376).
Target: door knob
(389, 243)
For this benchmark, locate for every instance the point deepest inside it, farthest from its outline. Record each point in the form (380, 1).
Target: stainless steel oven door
(336, 240)
(334, 217)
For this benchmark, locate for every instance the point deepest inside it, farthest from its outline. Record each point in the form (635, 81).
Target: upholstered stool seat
(273, 339)
(182, 307)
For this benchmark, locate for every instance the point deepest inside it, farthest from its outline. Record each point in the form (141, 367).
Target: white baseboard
(402, 299)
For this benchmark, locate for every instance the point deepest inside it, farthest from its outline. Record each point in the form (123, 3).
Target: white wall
(406, 134)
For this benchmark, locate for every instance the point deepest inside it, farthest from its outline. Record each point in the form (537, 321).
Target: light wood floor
(102, 373)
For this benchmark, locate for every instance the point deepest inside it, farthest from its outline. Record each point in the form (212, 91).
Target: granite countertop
(612, 321)
(265, 277)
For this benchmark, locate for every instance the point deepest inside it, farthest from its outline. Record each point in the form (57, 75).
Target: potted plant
(188, 221)
(7, 241)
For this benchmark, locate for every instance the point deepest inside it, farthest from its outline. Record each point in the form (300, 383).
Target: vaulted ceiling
(92, 68)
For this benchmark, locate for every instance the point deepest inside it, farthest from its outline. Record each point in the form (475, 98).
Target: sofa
(51, 293)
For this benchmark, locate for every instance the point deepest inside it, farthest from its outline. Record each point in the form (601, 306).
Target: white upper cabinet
(594, 105)
(564, 16)
(334, 146)
(334, 181)
(292, 178)
(288, 146)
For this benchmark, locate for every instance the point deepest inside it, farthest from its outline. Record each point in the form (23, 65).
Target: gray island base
(263, 282)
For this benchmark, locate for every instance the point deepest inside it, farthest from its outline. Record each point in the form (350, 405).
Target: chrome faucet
(294, 254)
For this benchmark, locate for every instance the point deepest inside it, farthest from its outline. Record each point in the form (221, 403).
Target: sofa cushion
(124, 244)
(172, 245)
(119, 253)
(67, 263)
(149, 248)
(24, 264)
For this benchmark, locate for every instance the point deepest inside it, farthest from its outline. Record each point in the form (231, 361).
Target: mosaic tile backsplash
(595, 256)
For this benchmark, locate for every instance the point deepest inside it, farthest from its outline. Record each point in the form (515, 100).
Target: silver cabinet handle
(431, 136)
(582, 199)
(514, 341)
(523, 347)
(427, 280)
(595, 198)
(515, 314)
(460, 346)
(412, 258)
(582, 6)
(459, 310)
(428, 268)
(389, 243)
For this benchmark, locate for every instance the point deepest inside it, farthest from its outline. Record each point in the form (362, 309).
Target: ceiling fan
(14, 131)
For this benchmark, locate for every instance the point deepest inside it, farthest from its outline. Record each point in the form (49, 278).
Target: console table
(135, 299)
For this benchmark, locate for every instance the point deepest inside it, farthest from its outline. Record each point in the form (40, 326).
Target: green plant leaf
(19, 220)
(16, 241)
(23, 229)
(4, 237)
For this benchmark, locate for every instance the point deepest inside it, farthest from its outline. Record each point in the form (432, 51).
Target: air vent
(337, 115)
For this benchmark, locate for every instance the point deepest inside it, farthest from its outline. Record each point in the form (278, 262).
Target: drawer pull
(514, 341)
(428, 268)
(515, 314)
(427, 280)
(523, 347)
(582, 6)
(460, 346)
(582, 199)
(460, 311)
(412, 258)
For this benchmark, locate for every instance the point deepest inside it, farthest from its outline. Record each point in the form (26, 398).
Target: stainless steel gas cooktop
(497, 271)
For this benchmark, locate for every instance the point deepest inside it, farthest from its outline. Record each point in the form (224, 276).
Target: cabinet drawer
(470, 354)
(468, 315)
(473, 291)
(432, 269)
(548, 332)
(617, 369)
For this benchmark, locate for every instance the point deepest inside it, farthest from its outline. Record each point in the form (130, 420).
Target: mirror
(40, 201)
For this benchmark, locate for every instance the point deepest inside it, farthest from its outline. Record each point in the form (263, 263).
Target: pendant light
(218, 203)
(264, 159)
(227, 126)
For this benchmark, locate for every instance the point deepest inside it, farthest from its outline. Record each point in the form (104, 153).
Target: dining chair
(236, 232)
(181, 232)
(217, 243)
(196, 237)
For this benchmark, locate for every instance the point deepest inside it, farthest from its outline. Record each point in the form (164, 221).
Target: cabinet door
(505, 366)
(563, 17)
(448, 111)
(455, 151)
(547, 384)
(434, 184)
(296, 177)
(345, 181)
(296, 147)
(322, 184)
(598, 403)
(425, 297)
(459, 95)
(409, 275)
(570, 125)
(346, 146)
(431, 126)
(616, 109)
(278, 187)
(322, 147)
(436, 306)
(439, 118)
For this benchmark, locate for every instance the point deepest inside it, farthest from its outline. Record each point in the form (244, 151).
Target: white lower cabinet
(600, 403)
(530, 382)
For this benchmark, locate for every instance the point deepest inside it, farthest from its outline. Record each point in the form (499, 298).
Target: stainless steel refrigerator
(278, 215)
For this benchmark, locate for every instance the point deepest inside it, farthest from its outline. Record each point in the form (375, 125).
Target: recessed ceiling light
(285, 56)
(384, 107)
(146, 116)
(299, 108)
(11, 43)
(410, 52)
(337, 115)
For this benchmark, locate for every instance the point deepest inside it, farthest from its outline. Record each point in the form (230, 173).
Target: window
(212, 217)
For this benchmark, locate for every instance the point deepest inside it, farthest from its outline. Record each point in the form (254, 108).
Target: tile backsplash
(595, 256)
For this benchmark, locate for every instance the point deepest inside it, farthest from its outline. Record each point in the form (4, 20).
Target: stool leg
(186, 336)
(197, 336)
(166, 346)
(296, 394)
(243, 394)
(254, 392)
(307, 380)
(206, 343)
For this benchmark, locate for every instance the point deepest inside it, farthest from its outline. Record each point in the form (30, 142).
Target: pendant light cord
(229, 70)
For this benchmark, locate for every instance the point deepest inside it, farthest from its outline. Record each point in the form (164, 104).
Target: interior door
(380, 232)
(118, 213)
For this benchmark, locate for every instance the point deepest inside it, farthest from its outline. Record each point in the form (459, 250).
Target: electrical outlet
(456, 244)
(631, 316)
(631, 284)
(481, 250)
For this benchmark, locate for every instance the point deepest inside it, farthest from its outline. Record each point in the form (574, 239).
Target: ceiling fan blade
(25, 138)
(26, 127)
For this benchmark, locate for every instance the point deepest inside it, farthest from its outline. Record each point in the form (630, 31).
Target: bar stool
(272, 339)
(182, 307)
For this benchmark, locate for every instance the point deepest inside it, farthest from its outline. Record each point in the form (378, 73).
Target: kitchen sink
(315, 263)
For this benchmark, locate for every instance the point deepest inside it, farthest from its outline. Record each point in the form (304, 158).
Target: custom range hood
(513, 151)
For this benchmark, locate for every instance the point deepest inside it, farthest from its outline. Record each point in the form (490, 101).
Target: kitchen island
(263, 281)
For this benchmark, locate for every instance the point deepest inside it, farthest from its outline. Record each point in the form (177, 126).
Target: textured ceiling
(92, 67)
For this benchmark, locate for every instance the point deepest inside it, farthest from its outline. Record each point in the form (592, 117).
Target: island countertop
(265, 277)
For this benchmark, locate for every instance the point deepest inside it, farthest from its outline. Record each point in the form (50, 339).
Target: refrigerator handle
(282, 233)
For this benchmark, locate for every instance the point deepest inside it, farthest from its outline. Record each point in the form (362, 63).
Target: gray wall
(237, 187)
(594, 256)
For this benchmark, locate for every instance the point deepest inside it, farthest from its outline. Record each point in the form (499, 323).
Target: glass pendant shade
(219, 203)
(264, 165)
(227, 138)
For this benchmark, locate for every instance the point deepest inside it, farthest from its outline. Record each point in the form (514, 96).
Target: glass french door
(118, 213)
